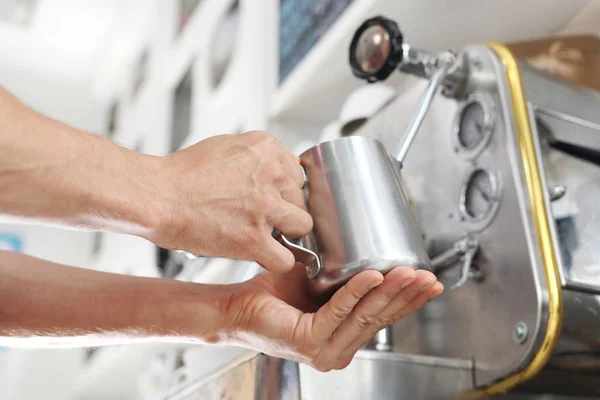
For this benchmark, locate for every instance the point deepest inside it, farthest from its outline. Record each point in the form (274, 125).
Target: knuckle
(362, 322)
(269, 139)
(272, 171)
(252, 236)
(265, 202)
(272, 203)
(264, 138)
(277, 171)
(257, 200)
(388, 297)
(353, 295)
(340, 313)
(293, 186)
(384, 322)
(256, 134)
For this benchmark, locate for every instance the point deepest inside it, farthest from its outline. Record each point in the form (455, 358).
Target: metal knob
(376, 49)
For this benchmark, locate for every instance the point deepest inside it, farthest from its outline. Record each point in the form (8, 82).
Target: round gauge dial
(480, 197)
(479, 194)
(471, 129)
(473, 125)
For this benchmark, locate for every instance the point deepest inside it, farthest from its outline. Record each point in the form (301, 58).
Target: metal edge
(542, 227)
(188, 389)
(414, 359)
(553, 230)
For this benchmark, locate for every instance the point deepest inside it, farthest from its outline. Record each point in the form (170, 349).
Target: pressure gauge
(480, 198)
(473, 125)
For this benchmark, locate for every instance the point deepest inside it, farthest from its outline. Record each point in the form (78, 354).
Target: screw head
(557, 192)
(476, 64)
(520, 332)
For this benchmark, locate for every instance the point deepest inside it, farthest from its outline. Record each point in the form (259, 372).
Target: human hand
(227, 193)
(273, 314)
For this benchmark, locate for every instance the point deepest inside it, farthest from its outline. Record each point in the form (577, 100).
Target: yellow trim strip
(542, 226)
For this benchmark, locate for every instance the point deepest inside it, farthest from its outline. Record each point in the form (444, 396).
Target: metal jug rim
(354, 138)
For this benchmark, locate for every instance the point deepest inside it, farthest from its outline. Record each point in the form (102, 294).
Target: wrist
(167, 206)
(128, 197)
(195, 313)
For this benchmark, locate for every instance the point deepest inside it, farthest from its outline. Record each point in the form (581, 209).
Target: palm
(277, 316)
(289, 289)
(281, 303)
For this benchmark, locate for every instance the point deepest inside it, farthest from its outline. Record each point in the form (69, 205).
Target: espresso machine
(506, 197)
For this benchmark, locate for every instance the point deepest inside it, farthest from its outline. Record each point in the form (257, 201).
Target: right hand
(227, 193)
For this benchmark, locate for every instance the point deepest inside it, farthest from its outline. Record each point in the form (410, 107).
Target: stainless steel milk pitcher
(362, 217)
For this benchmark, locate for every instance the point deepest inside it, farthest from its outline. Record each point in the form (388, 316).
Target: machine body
(511, 170)
(516, 168)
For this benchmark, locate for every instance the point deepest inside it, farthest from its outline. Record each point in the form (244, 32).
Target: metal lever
(466, 248)
(445, 61)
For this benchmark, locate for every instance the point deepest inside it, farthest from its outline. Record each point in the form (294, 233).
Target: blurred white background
(158, 75)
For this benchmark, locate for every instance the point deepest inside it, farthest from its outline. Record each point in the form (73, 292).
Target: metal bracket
(463, 250)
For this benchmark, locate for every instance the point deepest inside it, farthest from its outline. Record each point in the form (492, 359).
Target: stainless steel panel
(383, 376)
(251, 377)
(477, 320)
(371, 375)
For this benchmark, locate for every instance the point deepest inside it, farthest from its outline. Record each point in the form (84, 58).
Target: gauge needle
(482, 192)
(479, 127)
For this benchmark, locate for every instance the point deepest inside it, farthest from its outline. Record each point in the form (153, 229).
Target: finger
(335, 311)
(415, 296)
(423, 298)
(293, 195)
(293, 168)
(368, 309)
(275, 257)
(292, 220)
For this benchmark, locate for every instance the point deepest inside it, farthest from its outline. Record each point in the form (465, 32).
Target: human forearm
(53, 305)
(49, 305)
(53, 174)
(221, 197)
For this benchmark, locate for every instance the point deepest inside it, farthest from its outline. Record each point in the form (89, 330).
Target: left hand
(273, 313)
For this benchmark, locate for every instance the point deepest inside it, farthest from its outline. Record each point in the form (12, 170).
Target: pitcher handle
(307, 257)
